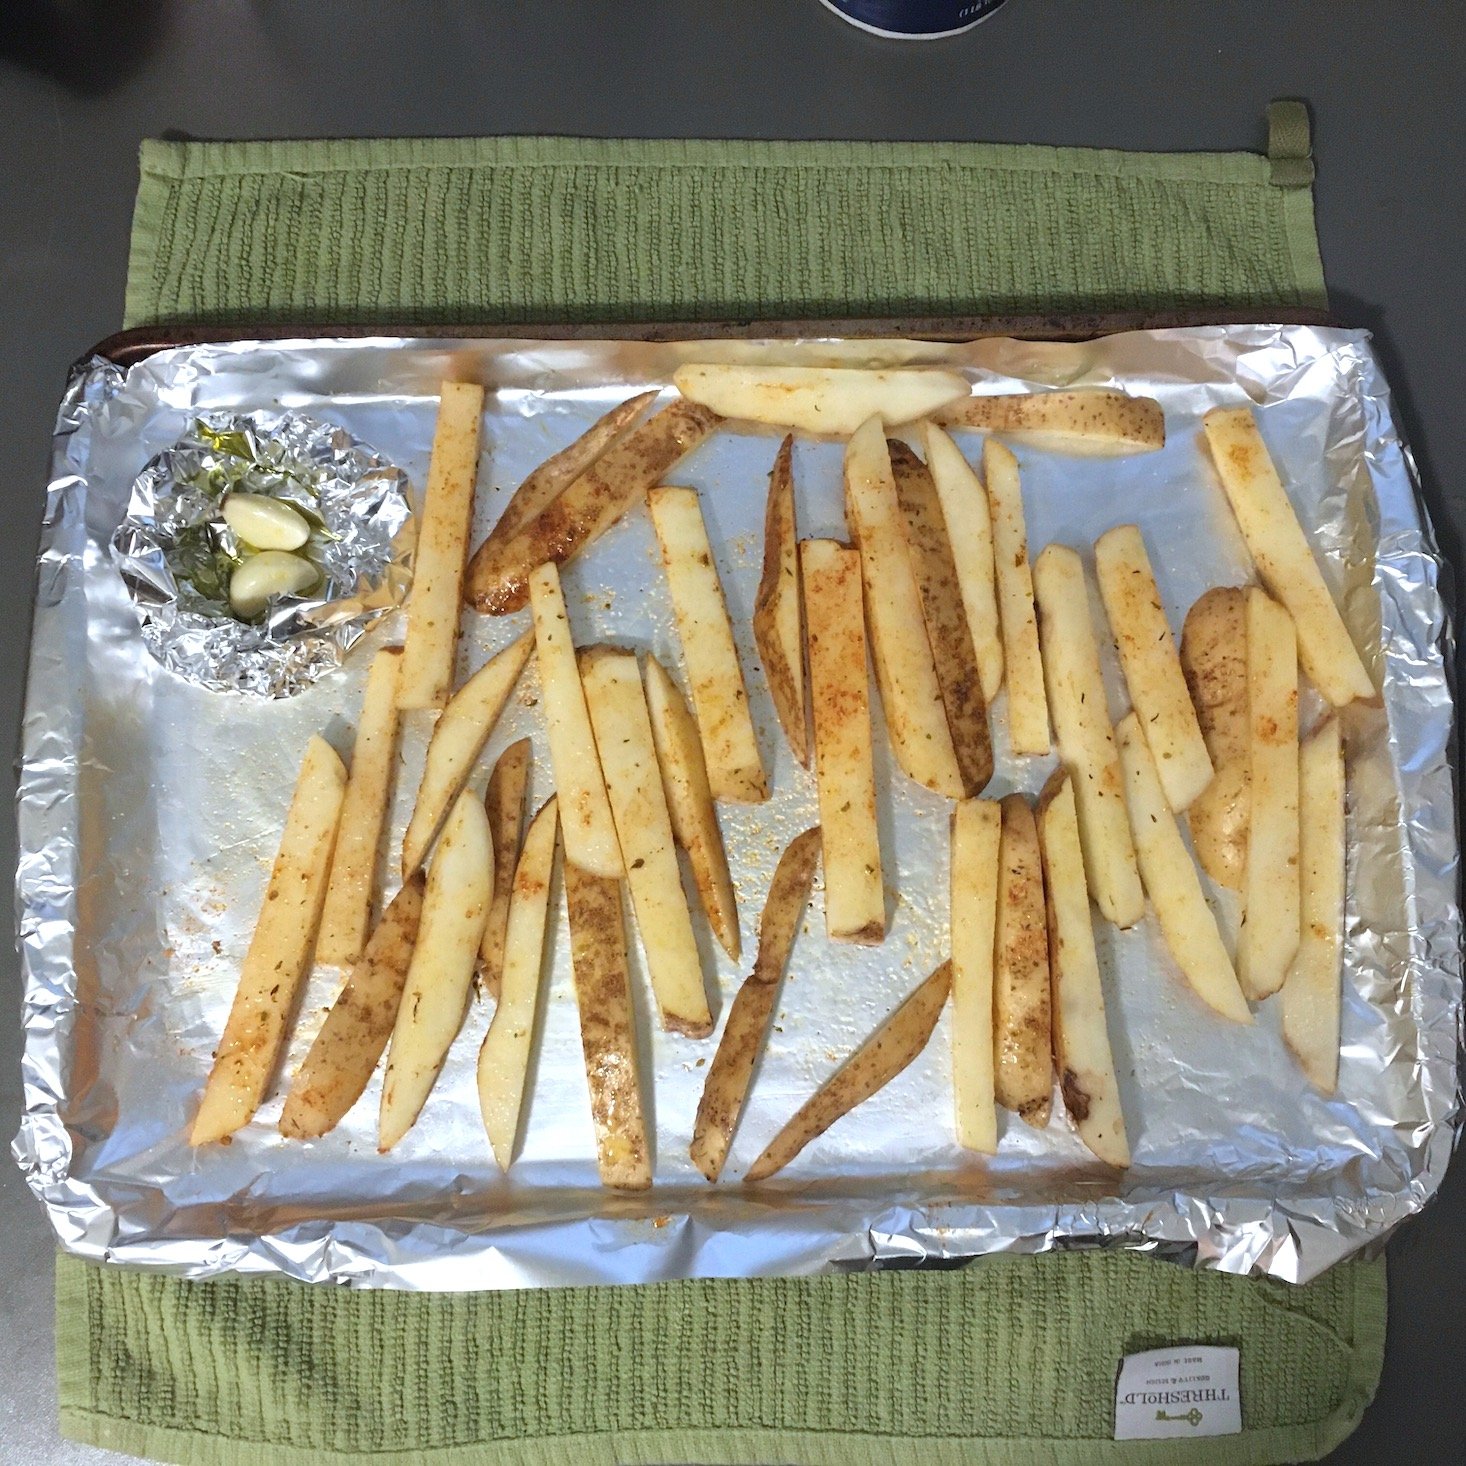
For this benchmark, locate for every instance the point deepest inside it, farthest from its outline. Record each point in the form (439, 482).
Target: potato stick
(855, 901)
(1023, 1071)
(719, 695)
(1268, 940)
(747, 1028)
(585, 811)
(1311, 994)
(1086, 741)
(347, 915)
(1281, 552)
(340, 1062)
(279, 951)
(778, 620)
(607, 1028)
(964, 503)
(889, 1050)
(431, 647)
(1090, 422)
(1186, 920)
(504, 803)
(1028, 711)
(976, 829)
(1150, 664)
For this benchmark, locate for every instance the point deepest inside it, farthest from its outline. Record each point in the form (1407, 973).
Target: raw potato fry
(607, 1028)
(442, 547)
(458, 738)
(729, 744)
(1090, 422)
(1186, 920)
(889, 1050)
(504, 803)
(347, 914)
(1023, 1070)
(839, 682)
(585, 811)
(1311, 994)
(905, 671)
(747, 1029)
(498, 578)
(623, 732)
(1214, 659)
(503, 1061)
(976, 834)
(1082, 1052)
(1152, 668)
(1028, 709)
(1268, 941)
(1086, 740)
(456, 900)
(690, 803)
(556, 474)
(1281, 552)
(964, 503)
(340, 1062)
(778, 621)
(279, 951)
(946, 625)
(831, 401)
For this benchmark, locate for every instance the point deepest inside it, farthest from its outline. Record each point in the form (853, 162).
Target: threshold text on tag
(1186, 1390)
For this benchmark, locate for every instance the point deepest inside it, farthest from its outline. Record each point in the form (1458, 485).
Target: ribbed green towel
(1010, 1362)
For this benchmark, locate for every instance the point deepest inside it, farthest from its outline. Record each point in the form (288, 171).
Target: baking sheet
(150, 810)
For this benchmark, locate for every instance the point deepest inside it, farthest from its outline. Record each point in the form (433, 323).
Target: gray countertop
(82, 81)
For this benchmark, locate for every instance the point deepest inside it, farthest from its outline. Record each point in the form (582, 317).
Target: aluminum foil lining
(150, 809)
(175, 552)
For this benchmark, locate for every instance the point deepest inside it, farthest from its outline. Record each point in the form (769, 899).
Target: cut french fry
(585, 811)
(1023, 1070)
(1186, 921)
(1082, 1051)
(976, 834)
(279, 951)
(1214, 659)
(498, 578)
(906, 674)
(623, 732)
(1081, 715)
(456, 900)
(431, 647)
(747, 1028)
(829, 401)
(356, 1030)
(503, 1060)
(946, 625)
(1268, 941)
(607, 1028)
(347, 914)
(964, 503)
(1311, 994)
(889, 1050)
(504, 803)
(458, 738)
(729, 744)
(1028, 709)
(1151, 666)
(690, 803)
(1281, 552)
(778, 621)
(1090, 422)
(855, 901)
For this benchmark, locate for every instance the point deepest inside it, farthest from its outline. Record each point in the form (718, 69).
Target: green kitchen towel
(1009, 1362)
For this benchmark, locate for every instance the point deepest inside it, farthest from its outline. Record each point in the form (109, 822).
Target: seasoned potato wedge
(778, 618)
(1089, 422)
(1022, 1004)
(504, 803)
(976, 833)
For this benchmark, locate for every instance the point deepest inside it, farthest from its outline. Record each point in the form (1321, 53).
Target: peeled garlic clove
(265, 523)
(264, 576)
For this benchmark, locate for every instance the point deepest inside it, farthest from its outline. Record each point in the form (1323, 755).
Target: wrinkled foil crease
(361, 503)
(150, 809)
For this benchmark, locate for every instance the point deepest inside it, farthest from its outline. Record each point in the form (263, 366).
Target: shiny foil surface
(150, 809)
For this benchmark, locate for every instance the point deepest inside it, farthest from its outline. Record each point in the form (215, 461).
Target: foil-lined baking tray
(150, 809)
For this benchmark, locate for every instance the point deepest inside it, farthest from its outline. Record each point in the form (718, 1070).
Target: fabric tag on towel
(1186, 1390)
